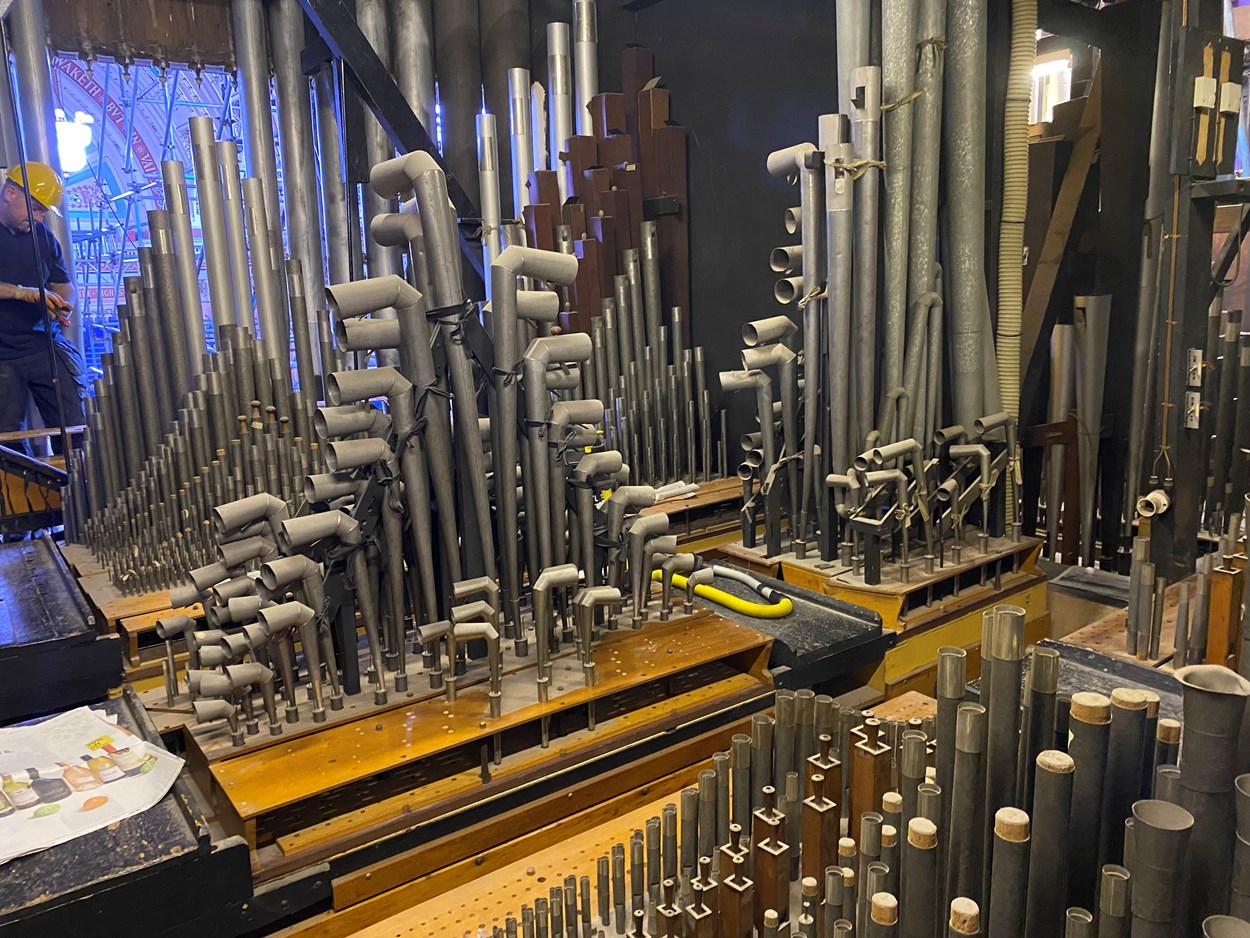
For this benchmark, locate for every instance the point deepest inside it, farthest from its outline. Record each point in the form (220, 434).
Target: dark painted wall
(746, 78)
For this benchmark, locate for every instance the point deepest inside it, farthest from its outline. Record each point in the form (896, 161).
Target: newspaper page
(72, 774)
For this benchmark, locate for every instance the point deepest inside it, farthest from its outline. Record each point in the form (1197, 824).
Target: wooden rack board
(345, 783)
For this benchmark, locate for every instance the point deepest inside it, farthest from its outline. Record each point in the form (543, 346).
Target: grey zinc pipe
(1088, 724)
(243, 676)
(683, 564)
(541, 353)
(926, 152)
(295, 615)
(556, 269)
(423, 175)
(591, 467)
(759, 382)
(165, 262)
(521, 122)
(898, 76)
(839, 219)
(572, 426)
(553, 578)
(952, 676)
(212, 220)
(1062, 389)
(1003, 714)
(1114, 887)
(333, 187)
(642, 529)
(252, 62)
(285, 570)
(299, 180)
(299, 532)
(274, 328)
(1007, 901)
(1048, 871)
(1161, 834)
(585, 61)
(350, 386)
(1092, 315)
(173, 177)
(559, 99)
(864, 108)
(966, 846)
(584, 604)
(764, 356)
(144, 366)
(359, 335)
(488, 183)
(791, 162)
(1146, 330)
(468, 631)
(963, 138)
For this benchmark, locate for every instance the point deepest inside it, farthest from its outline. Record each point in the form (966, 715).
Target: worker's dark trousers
(32, 375)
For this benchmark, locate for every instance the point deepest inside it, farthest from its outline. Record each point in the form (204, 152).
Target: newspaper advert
(73, 774)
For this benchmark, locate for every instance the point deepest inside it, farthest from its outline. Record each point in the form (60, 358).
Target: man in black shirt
(26, 314)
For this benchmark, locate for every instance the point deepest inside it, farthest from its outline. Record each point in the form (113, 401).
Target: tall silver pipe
(274, 339)
(458, 64)
(854, 20)
(252, 64)
(412, 51)
(1092, 315)
(926, 152)
(173, 175)
(28, 33)
(1062, 390)
(963, 139)
(585, 60)
(286, 31)
(838, 244)
(236, 239)
(488, 182)
(166, 261)
(1142, 394)
(333, 188)
(522, 132)
(212, 221)
(371, 16)
(138, 321)
(865, 113)
(898, 79)
(559, 99)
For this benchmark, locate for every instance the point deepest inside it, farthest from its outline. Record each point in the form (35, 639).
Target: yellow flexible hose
(776, 610)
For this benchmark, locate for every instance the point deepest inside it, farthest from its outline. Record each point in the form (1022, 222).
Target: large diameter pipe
(865, 113)
(212, 221)
(559, 99)
(412, 52)
(488, 181)
(1122, 782)
(964, 866)
(236, 238)
(1009, 883)
(839, 266)
(585, 61)
(963, 138)
(274, 330)
(252, 64)
(1089, 722)
(1048, 856)
(1006, 652)
(521, 122)
(419, 173)
(1161, 834)
(299, 180)
(1146, 330)
(1214, 706)
(333, 188)
(1092, 315)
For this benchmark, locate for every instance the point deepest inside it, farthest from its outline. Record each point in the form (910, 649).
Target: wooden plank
(1062, 219)
(350, 830)
(115, 605)
(342, 755)
(1224, 622)
(906, 707)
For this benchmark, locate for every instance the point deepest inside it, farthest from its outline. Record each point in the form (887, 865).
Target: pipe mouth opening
(1225, 926)
(780, 260)
(1214, 679)
(1242, 784)
(1162, 816)
(786, 291)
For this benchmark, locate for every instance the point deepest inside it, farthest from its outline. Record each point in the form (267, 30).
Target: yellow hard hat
(45, 186)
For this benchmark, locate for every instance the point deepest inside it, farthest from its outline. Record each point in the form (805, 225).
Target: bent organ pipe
(764, 356)
(420, 174)
(786, 259)
(358, 335)
(296, 615)
(555, 268)
(566, 416)
(759, 382)
(364, 296)
(541, 353)
(353, 386)
(800, 160)
(552, 578)
(1156, 503)
(640, 531)
(308, 529)
(591, 467)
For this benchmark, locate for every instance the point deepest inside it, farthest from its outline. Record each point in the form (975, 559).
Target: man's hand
(59, 308)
